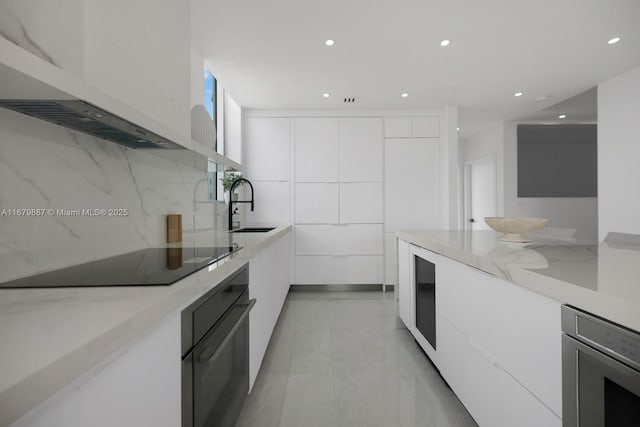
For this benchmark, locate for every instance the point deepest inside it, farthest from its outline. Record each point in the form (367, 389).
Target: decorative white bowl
(515, 228)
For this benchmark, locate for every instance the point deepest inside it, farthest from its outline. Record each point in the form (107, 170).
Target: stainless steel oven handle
(233, 330)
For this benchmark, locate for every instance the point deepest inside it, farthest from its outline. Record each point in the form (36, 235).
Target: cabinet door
(347, 239)
(406, 305)
(390, 259)
(316, 203)
(425, 126)
(397, 127)
(267, 148)
(491, 395)
(411, 184)
(360, 202)
(361, 149)
(317, 150)
(518, 328)
(333, 270)
(272, 204)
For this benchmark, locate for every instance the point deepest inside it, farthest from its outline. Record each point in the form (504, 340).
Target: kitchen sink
(253, 230)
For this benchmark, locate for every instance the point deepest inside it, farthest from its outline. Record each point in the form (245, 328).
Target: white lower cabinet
(141, 387)
(268, 284)
(339, 239)
(406, 306)
(333, 270)
(499, 345)
(492, 395)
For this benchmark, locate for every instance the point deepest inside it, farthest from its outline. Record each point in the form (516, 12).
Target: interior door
(481, 192)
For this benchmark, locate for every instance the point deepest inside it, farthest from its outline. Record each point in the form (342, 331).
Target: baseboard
(340, 288)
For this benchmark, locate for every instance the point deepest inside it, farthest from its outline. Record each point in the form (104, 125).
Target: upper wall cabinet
(317, 149)
(361, 150)
(412, 127)
(267, 148)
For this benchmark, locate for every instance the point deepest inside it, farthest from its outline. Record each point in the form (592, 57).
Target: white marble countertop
(600, 278)
(50, 337)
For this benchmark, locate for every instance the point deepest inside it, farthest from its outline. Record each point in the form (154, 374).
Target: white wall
(579, 213)
(489, 141)
(197, 77)
(232, 129)
(619, 154)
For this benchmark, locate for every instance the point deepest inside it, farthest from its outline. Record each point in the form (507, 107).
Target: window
(210, 94)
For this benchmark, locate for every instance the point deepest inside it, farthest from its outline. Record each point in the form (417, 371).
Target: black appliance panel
(425, 279)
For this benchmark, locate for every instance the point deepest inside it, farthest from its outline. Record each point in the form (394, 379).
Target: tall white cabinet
(338, 200)
(412, 147)
(267, 166)
(347, 184)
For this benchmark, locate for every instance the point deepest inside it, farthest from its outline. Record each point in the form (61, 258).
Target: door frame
(466, 186)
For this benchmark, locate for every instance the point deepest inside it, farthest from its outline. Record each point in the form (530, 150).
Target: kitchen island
(497, 338)
(55, 341)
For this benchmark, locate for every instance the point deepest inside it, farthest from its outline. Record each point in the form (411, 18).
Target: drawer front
(491, 395)
(339, 239)
(332, 270)
(517, 327)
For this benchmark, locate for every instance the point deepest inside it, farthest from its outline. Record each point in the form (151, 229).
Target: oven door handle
(232, 331)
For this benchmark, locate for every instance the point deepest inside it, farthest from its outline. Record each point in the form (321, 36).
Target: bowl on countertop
(514, 228)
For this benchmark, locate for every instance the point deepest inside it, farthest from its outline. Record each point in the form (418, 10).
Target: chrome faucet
(231, 202)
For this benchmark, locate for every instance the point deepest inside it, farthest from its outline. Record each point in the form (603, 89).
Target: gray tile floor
(344, 359)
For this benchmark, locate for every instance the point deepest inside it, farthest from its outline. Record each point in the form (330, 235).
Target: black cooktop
(146, 267)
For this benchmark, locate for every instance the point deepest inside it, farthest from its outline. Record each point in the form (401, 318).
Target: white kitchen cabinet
(268, 284)
(339, 239)
(317, 149)
(272, 203)
(360, 202)
(140, 387)
(338, 200)
(406, 306)
(412, 127)
(390, 259)
(491, 395)
(498, 344)
(361, 149)
(331, 270)
(317, 203)
(266, 154)
(412, 190)
(517, 327)
(425, 127)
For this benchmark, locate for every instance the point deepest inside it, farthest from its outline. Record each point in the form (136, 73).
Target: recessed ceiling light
(562, 116)
(404, 95)
(326, 95)
(614, 40)
(444, 43)
(517, 94)
(458, 129)
(329, 42)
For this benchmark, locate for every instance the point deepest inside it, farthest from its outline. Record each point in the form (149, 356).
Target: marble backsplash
(44, 166)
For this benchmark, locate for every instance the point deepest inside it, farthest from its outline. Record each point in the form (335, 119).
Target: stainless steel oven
(600, 372)
(215, 348)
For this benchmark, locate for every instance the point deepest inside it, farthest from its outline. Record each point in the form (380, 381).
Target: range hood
(91, 120)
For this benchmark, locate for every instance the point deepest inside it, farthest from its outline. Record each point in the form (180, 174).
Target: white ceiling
(270, 54)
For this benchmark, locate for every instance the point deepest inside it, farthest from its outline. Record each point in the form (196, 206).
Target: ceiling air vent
(352, 100)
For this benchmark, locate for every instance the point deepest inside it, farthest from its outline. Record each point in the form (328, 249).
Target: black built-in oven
(425, 282)
(600, 372)
(215, 354)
